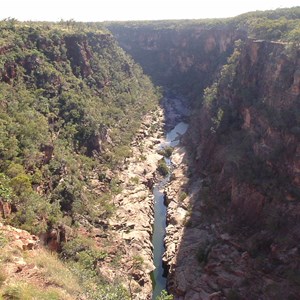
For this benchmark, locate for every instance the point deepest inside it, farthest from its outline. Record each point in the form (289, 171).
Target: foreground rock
(28, 271)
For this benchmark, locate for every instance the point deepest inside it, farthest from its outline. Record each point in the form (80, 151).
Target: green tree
(164, 296)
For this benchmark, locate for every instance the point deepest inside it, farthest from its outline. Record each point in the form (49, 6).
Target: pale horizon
(118, 10)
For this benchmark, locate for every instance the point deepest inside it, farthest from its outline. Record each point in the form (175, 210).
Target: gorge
(81, 148)
(235, 149)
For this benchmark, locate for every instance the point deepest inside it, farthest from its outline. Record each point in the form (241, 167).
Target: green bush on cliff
(182, 196)
(202, 254)
(6, 191)
(71, 101)
(164, 296)
(233, 295)
(64, 114)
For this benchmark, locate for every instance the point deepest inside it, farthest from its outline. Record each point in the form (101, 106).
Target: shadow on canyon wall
(233, 211)
(240, 235)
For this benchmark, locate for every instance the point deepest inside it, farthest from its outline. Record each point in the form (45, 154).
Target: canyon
(98, 162)
(235, 228)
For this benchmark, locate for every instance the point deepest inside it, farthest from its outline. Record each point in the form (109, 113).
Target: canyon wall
(181, 58)
(71, 104)
(239, 235)
(233, 211)
(78, 158)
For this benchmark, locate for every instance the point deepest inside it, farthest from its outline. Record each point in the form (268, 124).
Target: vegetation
(278, 25)
(162, 167)
(233, 295)
(138, 262)
(60, 282)
(24, 291)
(63, 280)
(71, 101)
(182, 196)
(164, 296)
(135, 180)
(203, 253)
(166, 152)
(2, 278)
(68, 95)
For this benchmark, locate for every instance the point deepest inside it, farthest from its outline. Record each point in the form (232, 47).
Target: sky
(112, 10)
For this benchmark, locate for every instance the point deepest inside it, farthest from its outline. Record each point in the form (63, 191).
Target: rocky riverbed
(133, 220)
(131, 227)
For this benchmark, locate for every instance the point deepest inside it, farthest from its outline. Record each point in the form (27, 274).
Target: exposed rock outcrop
(29, 271)
(239, 239)
(186, 59)
(130, 228)
(19, 238)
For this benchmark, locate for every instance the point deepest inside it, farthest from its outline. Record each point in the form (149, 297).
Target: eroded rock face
(186, 59)
(5, 209)
(19, 238)
(130, 228)
(239, 239)
(79, 53)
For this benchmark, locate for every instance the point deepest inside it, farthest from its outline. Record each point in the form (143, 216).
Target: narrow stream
(160, 212)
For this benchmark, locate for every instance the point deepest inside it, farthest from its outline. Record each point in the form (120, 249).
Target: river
(172, 138)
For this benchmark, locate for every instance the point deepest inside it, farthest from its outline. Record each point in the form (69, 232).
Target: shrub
(115, 186)
(164, 296)
(96, 286)
(202, 253)
(166, 152)
(21, 184)
(233, 295)
(143, 157)
(187, 222)
(3, 241)
(89, 258)
(6, 191)
(162, 167)
(137, 261)
(182, 196)
(293, 276)
(135, 180)
(84, 252)
(74, 246)
(35, 213)
(15, 170)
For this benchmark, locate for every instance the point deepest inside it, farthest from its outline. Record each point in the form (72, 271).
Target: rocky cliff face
(234, 234)
(240, 239)
(71, 102)
(185, 59)
(255, 105)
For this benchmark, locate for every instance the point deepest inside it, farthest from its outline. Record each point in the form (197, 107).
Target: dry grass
(3, 276)
(55, 272)
(25, 291)
(52, 280)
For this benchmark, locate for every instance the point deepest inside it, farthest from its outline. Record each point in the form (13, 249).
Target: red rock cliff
(241, 239)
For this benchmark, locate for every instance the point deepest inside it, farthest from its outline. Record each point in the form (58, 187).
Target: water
(160, 212)
(173, 136)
